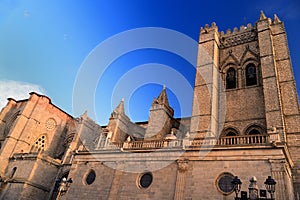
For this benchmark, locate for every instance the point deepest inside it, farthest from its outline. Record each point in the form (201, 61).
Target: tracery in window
(251, 77)
(224, 183)
(39, 144)
(231, 78)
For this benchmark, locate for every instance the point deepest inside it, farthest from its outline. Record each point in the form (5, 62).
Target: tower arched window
(251, 75)
(254, 132)
(231, 78)
(230, 132)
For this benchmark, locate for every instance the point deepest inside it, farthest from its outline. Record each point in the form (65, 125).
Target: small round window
(145, 180)
(224, 184)
(90, 178)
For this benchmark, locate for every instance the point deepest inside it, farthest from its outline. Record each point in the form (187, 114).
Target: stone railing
(189, 143)
(114, 145)
(152, 144)
(243, 140)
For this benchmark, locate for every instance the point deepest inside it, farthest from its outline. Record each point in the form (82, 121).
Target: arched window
(254, 132)
(231, 133)
(231, 78)
(251, 77)
(39, 144)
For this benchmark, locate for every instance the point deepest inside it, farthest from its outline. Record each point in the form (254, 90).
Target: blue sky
(43, 45)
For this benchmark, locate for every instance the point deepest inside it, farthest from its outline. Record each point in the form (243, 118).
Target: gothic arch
(229, 60)
(254, 129)
(230, 131)
(248, 54)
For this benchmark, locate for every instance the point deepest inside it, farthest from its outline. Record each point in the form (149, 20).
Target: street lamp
(64, 185)
(236, 186)
(270, 186)
(253, 189)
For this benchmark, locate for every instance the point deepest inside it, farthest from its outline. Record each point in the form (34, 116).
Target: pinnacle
(262, 16)
(120, 107)
(276, 19)
(84, 115)
(163, 98)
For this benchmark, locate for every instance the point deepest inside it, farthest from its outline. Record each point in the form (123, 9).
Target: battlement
(240, 35)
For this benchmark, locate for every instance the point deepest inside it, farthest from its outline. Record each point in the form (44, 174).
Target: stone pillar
(253, 189)
(180, 180)
(114, 189)
(279, 173)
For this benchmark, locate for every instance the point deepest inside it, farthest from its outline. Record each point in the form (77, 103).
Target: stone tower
(250, 88)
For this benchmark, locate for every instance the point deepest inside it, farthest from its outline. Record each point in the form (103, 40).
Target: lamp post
(63, 186)
(236, 186)
(270, 186)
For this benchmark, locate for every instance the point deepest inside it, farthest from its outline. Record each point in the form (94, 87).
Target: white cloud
(17, 90)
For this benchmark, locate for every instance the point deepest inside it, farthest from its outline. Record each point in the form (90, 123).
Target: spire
(262, 16)
(120, 107)
(162, 98)
(276, 19)
(84, 115)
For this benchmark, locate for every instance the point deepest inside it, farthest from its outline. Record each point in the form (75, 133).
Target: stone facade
(245, 122)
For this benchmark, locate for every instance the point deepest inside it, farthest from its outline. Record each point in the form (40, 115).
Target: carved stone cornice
(237, 39)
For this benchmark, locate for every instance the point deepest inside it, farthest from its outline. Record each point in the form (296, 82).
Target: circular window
(50, 124)
(145, 180)
(224, 184)
(90, 178)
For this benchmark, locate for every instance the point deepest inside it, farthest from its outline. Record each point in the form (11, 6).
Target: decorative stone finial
(276, 19)
(262, 16)
(84, 115)
(242, 28)
(162, 98)
(120, 107)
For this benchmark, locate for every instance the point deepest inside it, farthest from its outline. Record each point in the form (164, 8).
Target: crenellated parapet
(239, 36)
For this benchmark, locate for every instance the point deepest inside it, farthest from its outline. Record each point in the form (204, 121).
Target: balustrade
(179, 143)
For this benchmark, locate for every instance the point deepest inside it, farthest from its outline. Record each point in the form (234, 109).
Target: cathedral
(242, 140)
